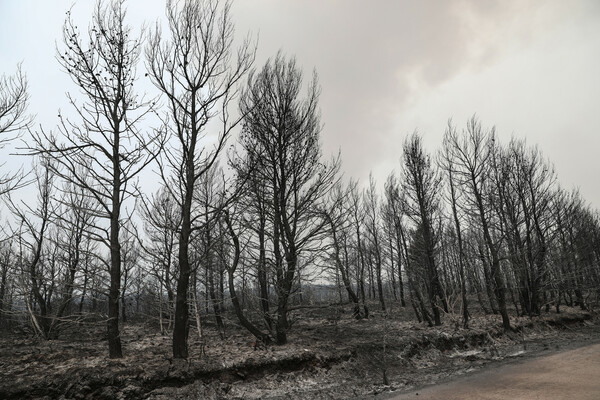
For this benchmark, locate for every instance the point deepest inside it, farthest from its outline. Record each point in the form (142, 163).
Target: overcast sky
(387, 68)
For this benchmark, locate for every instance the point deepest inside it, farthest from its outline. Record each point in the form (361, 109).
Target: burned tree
(280, 139)
(33, 260)
(339, 228)
(392, 210)
(532, 180)
(357, 216)
(472, 154)
(51, 250)
(103, 137)
(447, 165)
(197, 73)
(161, 224)
(374, 235)
(422, 186)
(13, 107)
(7, 256)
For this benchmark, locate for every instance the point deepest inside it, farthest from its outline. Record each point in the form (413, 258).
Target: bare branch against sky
(390, 67)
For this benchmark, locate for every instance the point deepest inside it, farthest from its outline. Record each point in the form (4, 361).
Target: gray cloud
(379, 61)
(388, 67)
(369, 53)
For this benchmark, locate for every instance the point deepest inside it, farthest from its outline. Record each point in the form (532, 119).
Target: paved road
(572, 375)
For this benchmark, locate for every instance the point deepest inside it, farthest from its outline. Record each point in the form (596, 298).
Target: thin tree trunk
(461, 253)
(266, 339)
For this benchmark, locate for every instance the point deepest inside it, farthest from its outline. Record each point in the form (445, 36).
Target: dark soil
(329, 356)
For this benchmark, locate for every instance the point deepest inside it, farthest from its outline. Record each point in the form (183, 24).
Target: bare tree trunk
(265, 338)
(114, 338)
(197, 316)
(262, 276)
(342, 269)
(180, 330)
(198, 74)
(461, 252)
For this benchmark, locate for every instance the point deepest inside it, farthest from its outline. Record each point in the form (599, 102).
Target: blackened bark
(265, 338)
(114, 338)
(262, 274)
(461, 251)
(180, 329)
(343, 272)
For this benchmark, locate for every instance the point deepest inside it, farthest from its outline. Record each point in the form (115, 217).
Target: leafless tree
(422, 185)
(37, 270)
(339, 227)
(7, 273)
(280, 140)
(208, 244)
(253, 203)
(525, 188)
(357, 217)
(130, 263)
(234, 227)
(392, 214)
(197, 69)
(575, 254)
(472, 154)
(373, 229)
(161, 226)
(447, 165)
(74, 220)
(103, 138)
(13, 117)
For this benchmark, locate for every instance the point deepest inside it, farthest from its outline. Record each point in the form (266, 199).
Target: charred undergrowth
(352, 350)
(125, 383)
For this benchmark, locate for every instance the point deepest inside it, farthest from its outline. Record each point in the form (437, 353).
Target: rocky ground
(329, 356)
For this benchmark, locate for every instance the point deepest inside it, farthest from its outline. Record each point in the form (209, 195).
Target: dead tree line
(259, 229)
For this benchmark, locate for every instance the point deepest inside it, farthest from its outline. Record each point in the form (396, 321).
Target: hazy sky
(531, 68)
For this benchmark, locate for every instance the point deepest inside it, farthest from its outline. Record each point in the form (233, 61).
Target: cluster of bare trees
(480, 219)
(480, 223)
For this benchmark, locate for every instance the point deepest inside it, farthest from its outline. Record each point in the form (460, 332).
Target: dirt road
(573, 374)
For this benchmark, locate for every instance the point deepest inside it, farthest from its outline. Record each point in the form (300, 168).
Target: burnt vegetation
(264, 251)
